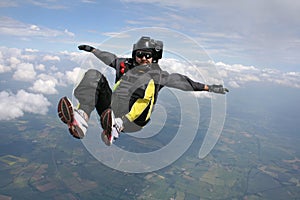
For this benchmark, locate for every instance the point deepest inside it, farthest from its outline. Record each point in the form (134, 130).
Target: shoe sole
(106, 140)
(106, 122)
(65, 110)
(66, 115)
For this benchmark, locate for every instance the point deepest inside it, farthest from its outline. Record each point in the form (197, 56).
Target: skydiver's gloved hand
(86, 48)
(217, 89)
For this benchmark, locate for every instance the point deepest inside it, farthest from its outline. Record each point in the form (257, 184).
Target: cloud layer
(238, 75)
(30, 67)
(34, 76)
(234, 76)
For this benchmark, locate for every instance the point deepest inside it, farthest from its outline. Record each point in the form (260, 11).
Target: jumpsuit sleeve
(181, 82)
(106, 57)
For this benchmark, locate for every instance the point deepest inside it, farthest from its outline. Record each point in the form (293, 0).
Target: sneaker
(112, 127)
(74, 118)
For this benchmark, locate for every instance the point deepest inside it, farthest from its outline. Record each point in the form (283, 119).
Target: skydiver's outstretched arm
(106, 57)
(183, 82)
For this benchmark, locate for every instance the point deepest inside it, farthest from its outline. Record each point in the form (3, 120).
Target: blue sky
(260, 33)
(248, 41)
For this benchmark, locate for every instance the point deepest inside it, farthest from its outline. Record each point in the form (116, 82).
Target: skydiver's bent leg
(93, 91)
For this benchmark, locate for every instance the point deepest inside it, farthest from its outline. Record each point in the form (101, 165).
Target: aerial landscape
(39, 159)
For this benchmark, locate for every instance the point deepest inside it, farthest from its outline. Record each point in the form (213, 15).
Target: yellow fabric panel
(152, 98)
(137, 109)
(141, 104)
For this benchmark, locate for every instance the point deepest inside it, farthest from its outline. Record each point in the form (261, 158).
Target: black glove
(86, 48)
(217, 89)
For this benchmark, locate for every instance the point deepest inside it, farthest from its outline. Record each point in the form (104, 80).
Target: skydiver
(128, 107)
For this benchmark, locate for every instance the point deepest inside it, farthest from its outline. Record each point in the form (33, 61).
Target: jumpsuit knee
(93, 92)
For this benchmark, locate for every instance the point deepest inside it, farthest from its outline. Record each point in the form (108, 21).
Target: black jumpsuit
(135, 92)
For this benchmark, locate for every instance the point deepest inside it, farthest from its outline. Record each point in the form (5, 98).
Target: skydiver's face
(143, 57)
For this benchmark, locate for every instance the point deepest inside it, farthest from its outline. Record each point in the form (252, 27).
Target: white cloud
(236, 67)
(174, 65)
(16, 59)
(31, 50)
(4, 68)
(24, 72)
(69, 77)
(116, 35)
(237, 75)
(51, 58)
(195, 70)
(6, 53)
(77, 57)
(60, 76)
(7, 63)
(13, 61)
(12, 27)
(69, 33)
(40, 67)
(74, 76)
(15, 105)
(45, 84)
(34, 28)
(28, 57)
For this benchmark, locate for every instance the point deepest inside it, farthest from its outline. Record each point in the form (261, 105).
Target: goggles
(146, 54)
